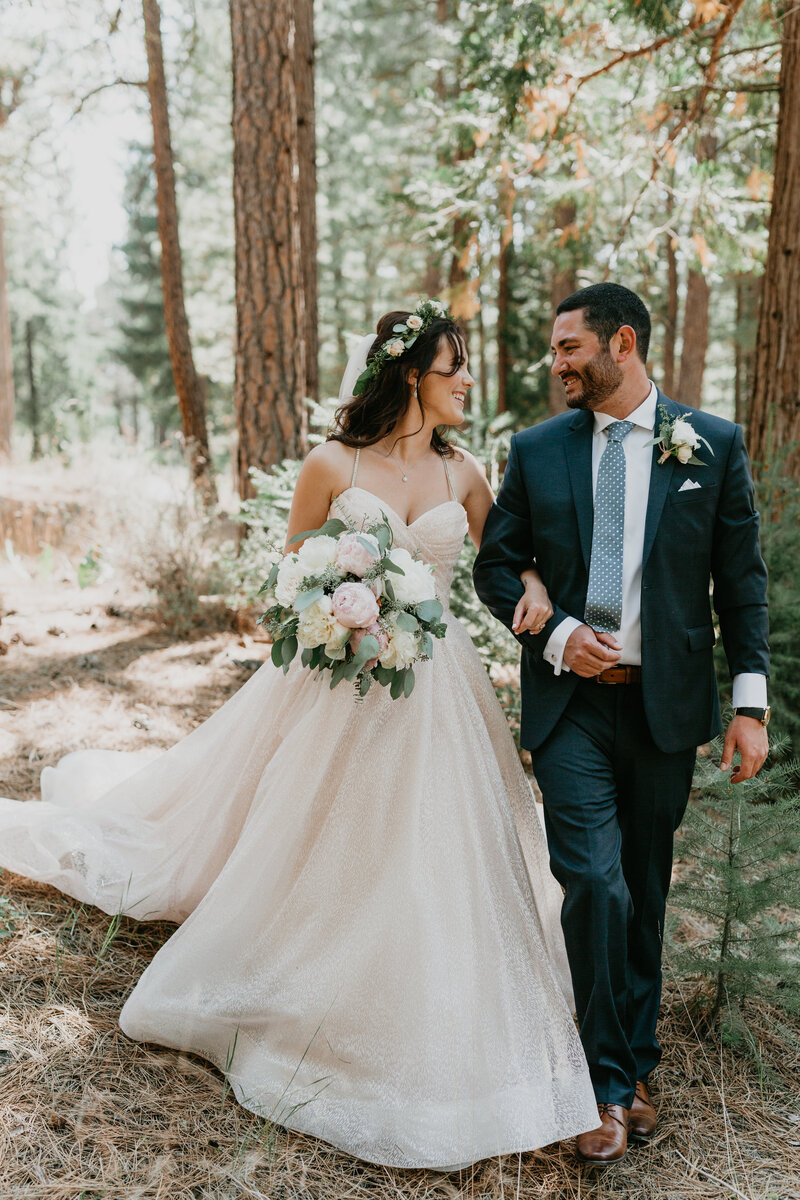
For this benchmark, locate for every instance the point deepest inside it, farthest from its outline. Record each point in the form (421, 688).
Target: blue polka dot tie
(604, 598)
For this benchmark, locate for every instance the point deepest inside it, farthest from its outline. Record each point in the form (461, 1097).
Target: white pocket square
(688, 485)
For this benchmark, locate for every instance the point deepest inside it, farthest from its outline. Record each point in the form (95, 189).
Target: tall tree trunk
(775, 407)
(270, 351)
(189, 386)
(6, 363)
(503, 295)
(671, 310)
(34, 415)
(744, 342)
(563, 282)
(307, 181)
(696, 312)
(695, 340)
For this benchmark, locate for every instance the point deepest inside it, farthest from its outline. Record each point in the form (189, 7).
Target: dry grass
(86, 1113)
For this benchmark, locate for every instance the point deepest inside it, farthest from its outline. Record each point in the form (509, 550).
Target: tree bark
(671, 312)
(189, 386)
(33, 393)
(6, 362)
(744, 342)
(774, 419)
(696, 312)
(563, 282)
(270, 353)
(307, 181)
(695, 340)
(503, 296)
(11, 86)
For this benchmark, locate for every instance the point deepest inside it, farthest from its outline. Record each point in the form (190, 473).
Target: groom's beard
(598, 381)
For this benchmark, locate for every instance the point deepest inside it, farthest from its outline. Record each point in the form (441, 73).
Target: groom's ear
(623, 343)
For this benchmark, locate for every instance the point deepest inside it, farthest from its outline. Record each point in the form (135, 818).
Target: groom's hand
(587, 655)
(749, 737)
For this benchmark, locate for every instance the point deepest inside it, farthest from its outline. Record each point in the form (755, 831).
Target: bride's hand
(534, 609)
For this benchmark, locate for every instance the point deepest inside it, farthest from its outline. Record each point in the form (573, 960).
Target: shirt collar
(644, 415)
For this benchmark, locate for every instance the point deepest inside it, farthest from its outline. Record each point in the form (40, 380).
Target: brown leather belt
(619, 675)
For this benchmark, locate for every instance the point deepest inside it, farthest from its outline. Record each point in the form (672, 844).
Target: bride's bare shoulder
(466, 466)
(329, 463)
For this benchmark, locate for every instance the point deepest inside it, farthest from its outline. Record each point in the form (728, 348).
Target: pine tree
(142, 347)
(742, 881)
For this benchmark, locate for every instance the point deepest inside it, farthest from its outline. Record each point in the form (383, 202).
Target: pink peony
(358, 636)
(353, 557)
(354, 605)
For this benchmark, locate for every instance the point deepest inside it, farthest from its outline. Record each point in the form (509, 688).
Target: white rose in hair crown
(679, 439)
(355, 605)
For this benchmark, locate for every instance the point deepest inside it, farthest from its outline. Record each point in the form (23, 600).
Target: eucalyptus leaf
(398, 683)
(429, 610)
(369, 648)
(288, 650)
(426, 644)
(383, 534)
(387, 587)
(407, 621)
(303, 600)
(408, 682)
(364, 684)
(276, 654)
(393, 567)
(384, 675)
(366, 544)
(331, 528)
(307, 658)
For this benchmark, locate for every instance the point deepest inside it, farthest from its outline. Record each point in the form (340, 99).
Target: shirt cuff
(749, 691)
(556, 644)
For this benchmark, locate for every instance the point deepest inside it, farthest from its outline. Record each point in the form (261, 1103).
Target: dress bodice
(437, 535)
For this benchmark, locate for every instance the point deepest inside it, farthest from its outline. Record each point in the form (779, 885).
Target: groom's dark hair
(606, 308)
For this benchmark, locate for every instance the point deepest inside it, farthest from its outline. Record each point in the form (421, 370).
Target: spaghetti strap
(449, 480)
(355, 467)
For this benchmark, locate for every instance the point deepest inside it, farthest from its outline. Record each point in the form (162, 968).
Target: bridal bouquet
(355, 605)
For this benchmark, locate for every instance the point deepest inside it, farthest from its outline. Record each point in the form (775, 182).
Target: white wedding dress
(369, 945)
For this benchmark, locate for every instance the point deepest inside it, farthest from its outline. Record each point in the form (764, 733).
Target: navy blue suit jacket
(544, 515)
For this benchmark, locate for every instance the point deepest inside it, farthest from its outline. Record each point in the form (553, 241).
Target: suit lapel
(660, 477)
(578, 446)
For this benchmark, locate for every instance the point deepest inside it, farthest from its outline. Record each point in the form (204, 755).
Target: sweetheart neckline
(355, 488)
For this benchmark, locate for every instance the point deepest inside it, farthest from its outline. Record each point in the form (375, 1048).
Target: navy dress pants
(612, 803)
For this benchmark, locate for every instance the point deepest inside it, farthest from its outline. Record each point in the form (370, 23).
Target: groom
(618, 687)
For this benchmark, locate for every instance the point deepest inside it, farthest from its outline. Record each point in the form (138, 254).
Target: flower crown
(426, 312)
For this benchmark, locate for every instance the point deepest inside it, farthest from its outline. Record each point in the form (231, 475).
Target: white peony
(403, 647)
(684, 453)
(395, 348)
(316, 624)
(318, 553)
(290, 575)
(684, 435)
(416, 583)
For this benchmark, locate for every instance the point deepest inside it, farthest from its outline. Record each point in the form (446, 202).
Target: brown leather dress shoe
(609, 1142)
(643, 1114)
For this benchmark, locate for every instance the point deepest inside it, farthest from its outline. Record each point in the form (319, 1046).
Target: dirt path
(85, 1113)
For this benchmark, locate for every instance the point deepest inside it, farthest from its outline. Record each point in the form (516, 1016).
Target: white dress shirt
(749, 690)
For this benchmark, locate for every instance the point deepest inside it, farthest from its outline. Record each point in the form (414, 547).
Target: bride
(369, 943)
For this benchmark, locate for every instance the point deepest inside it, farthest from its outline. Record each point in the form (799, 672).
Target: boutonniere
(679, 439)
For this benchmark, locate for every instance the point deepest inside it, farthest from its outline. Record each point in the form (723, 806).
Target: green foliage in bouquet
(734, 915)
(357, 664)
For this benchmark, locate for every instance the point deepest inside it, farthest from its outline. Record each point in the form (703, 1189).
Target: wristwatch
(758, 714)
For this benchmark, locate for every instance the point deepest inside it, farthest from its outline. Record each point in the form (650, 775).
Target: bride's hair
(365, 419)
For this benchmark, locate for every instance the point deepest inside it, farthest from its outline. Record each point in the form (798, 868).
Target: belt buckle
(606, 682)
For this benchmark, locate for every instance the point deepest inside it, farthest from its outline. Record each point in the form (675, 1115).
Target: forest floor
(86, 1113)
